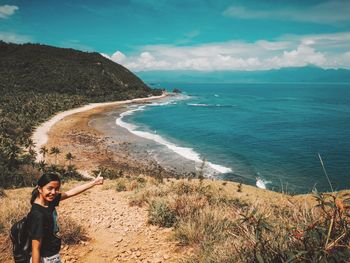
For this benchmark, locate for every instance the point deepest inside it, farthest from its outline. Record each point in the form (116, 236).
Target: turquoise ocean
(266, 134)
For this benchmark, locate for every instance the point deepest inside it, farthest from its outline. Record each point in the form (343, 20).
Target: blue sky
(188, 35)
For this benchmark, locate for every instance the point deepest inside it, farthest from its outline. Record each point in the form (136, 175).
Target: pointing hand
(99, 179)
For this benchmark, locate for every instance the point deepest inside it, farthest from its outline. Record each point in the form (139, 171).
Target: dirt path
(118, 232)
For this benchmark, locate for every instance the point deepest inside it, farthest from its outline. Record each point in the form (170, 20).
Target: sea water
(267, 134)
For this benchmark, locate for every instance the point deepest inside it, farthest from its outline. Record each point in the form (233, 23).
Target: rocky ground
(118, 232)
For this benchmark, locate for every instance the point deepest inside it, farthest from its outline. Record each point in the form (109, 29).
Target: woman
(42, 218)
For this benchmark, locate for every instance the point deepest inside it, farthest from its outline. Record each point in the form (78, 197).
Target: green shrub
(160, 213)
(120, 186)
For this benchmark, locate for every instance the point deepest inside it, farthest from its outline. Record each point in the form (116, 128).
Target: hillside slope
(41, 68)
(37, 81)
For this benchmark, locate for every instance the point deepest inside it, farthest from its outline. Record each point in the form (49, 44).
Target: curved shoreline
(40, 135)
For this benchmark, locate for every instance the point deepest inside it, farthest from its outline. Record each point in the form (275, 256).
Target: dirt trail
(118, 232)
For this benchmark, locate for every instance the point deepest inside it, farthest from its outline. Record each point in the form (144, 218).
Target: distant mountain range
(301, 74)
(41, 68)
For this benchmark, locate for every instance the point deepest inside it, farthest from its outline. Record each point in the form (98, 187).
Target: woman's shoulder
(36, 210)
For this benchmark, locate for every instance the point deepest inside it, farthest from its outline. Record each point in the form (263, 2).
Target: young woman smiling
(42, 218)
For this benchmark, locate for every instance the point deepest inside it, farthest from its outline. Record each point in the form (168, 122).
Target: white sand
(40, 135)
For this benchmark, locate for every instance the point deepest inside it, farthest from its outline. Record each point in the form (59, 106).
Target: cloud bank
(7, 10)
(328, 12)
(14, 38)
(324, 50)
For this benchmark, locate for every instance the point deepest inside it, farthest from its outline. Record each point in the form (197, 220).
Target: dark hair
(44, 180)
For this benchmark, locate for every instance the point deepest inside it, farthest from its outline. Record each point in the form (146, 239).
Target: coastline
(78, 134)
(93, 134)
(40, 135)
(73, 131)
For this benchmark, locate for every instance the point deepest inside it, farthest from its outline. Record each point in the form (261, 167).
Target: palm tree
(32, 155)
(43, 151)
(42, 166)
(55, 151)
(29, 144)
(69, 158)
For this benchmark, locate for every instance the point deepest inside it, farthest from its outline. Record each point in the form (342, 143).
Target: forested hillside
(37, 81)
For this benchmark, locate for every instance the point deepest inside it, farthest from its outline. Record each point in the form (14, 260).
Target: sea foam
(261, 183)
(210, 105)
(188, 153)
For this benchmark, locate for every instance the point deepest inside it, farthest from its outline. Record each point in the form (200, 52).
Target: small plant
(120, 186)
(158, 173)
(200, 174)
(2, 192)
(183, 187)
(239, 188)
(71, 232)
(160, 213)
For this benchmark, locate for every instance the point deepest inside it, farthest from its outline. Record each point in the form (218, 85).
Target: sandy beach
(79, 132)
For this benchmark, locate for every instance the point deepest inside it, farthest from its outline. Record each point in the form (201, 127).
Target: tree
(29, 144)
(42, 165)
(43, 151)
(69, 158)
(55, 151)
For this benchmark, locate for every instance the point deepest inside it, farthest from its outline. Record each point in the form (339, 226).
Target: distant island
(309, 74)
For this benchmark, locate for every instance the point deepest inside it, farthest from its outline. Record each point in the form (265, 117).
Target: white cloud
(328, 12)
(15, 38)
(326, 50)
(7, 10)
(302, 56)
(118, 56)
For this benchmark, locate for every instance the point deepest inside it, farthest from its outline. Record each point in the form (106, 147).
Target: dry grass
(223, 224)
(71, 232)
(15, 205)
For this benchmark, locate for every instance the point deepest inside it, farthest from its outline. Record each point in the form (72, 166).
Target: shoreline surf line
(40, 135)
(185, 152)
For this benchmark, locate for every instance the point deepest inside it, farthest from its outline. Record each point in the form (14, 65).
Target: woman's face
(49, 191)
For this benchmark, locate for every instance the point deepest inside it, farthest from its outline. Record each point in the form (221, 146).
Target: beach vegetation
(43, 151)
(108, 173)
(37, 81)
(55, 151)
(160, 213)
(120, 185)
(70, 157)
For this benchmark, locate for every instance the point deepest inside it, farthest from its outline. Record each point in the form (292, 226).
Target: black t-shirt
(43, 224)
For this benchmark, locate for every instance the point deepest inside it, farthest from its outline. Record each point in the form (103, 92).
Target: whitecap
(185, 152)
(211, 105)
(261, 183)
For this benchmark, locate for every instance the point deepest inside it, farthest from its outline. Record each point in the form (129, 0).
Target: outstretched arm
(81, 188)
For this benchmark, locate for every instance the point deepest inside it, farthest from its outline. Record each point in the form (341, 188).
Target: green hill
(36, 81)
(40, 68)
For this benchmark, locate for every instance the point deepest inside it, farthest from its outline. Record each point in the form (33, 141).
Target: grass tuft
(71, 232)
